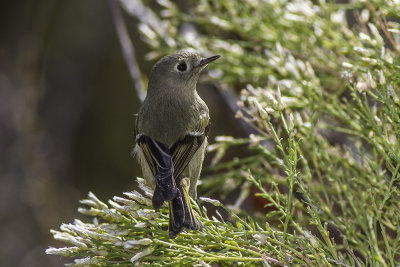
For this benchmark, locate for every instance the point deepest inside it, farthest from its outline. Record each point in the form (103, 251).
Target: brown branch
(383, 27)
(128, 50)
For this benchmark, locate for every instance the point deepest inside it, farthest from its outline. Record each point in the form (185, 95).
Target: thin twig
(383, 27)
(127, 49)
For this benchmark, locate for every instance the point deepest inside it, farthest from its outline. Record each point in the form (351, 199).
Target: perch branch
(127, 49)
(383, 27)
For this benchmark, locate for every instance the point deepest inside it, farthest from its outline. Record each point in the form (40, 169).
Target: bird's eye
(181, 67)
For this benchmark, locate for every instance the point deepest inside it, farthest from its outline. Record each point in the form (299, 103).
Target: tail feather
(165, 189)
(181, 213)
(159, 157)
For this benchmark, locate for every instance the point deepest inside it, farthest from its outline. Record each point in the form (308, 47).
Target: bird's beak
(205, 61)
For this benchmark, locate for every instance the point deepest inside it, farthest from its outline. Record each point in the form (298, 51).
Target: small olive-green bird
(171, 136)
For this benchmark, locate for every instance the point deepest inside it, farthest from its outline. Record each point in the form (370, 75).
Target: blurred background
(67, 106)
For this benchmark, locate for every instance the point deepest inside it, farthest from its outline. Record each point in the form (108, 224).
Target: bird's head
(178, 71)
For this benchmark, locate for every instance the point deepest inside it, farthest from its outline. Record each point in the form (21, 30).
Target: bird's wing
(158, 158)
(182, 151)
(180, 209)
(156, 154)
(168, 163)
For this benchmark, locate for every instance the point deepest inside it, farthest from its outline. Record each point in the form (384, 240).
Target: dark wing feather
(160, 162)
(182, 151)
(168, 164)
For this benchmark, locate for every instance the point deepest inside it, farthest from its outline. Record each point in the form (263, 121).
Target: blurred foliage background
(314, 84)
(66, 119)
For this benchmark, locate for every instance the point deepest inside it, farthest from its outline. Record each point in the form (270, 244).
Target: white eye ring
(182, 67)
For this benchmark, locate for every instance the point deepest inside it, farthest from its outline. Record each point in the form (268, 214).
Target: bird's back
(168, 120)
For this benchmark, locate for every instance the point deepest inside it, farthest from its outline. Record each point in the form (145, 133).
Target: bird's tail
(181, 213)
